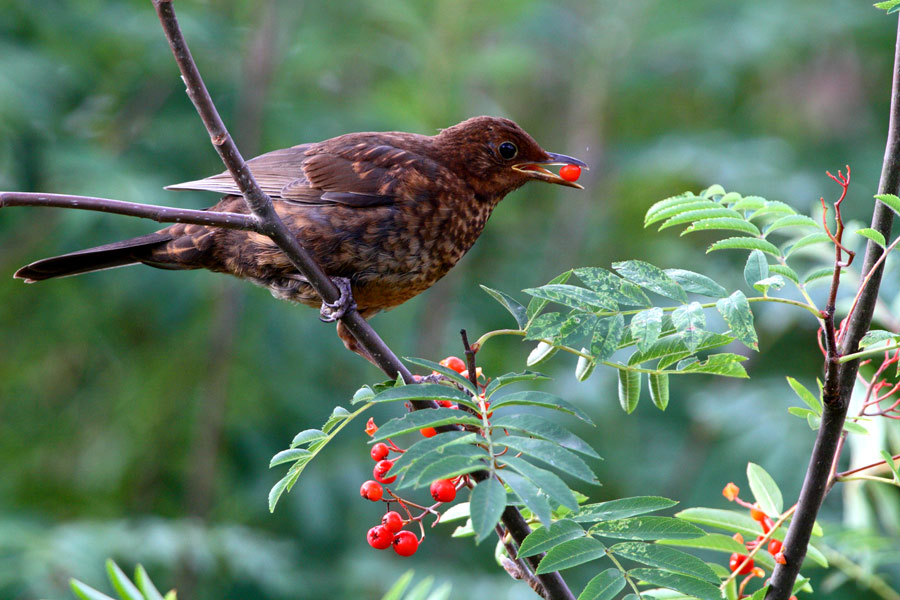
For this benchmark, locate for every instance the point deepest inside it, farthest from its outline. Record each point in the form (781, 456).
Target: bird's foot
(332, 311)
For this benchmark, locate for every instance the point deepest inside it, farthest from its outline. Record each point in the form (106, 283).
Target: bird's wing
(357, 172)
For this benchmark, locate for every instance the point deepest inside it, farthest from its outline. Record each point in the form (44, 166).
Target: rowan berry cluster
(390, 532)
(742, 564)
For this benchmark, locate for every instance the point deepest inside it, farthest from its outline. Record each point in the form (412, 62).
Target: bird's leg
(332, 311)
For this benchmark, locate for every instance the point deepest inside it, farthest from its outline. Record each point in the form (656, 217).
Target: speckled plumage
(392, 212)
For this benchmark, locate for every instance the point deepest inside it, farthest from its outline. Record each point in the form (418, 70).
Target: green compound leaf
(542, 399)
(892, 201)
(806, 241)
(710, 541)
(810, 399)
(552, 454)
(547, 482)
(545, 538)
(540, 427)
(652, 278)
(785, 272)
(511, 304)
(723, 223)
(611, 285)
(535, 500)
(606, 336)
(690, 322)
(676, 205)
(726, 365)
(622, 508)
(745, 243)
(536, 305)
(701, 215)
(429, 417)
(423, 391)
(545, 326)
(757, 267)
(735, 309)
(765, 490)
(792, 221)
(667, 558)
(647, 528)
(571, 554)
(872, 234)
(541, 354)
(573, 296)
(690, 586)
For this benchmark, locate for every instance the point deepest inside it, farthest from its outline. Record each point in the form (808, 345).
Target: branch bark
(837, 399)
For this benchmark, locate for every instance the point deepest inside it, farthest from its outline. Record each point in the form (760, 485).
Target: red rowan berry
(443, 490)
(406, 543)
(454, 364)
(381, 469)
(379, 451)
(570, 172)
(735, 563)
(371, 490)
(380, 537)
(393, 521)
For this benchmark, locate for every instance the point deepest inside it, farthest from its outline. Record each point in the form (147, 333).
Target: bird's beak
(536, 170)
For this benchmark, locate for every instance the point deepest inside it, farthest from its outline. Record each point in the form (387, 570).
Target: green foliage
(141, 589)
(424, 590)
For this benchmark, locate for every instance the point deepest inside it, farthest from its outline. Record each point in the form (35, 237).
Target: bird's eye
(507, 150)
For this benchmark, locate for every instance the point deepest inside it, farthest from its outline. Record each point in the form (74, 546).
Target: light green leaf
(776, 282)
(279, 488)
(872, 234)
(607, 334)
(545, 326)
(671, 348)
(713, 190)
(696, 283)
(539, 427)
(892, 201)
(621, 508)
(543, 399)
(415, 469)
(664, 557)
(486, 504)
(674, 206)
(652, 278)
(435, 445)
(511, 378)
(810, 399)
(541, 353)
(745, 243)
(308, 436)
(690, 321)
(659, 390)
(723, 223)
(729, 520)
(749, 203)
(142, 580)
(701, 214)
(785, 271)
(547, 482)
(545, 538)
(757, 267)
(710, 541)
(120, 581)
(429, 417)
(629, 389)
(551, 454)
(805, 241)
(536, 305)
(690, 586)
(647, 528)
(444, 468)
(646, 327)
(792, 221)
(803, 413)
(852, 427)
(573, 296)
(511, 304)
(817, 274)
(399, 587)
(889, 461)
(604, 586)
(86, 592)
(726, 365)
(877, 336)
(735, 309)
(609, 284)
(765, 490)
(289, 455)
(571, 554)
(773, 207)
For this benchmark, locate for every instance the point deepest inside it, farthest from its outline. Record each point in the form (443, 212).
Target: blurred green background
(139, 408)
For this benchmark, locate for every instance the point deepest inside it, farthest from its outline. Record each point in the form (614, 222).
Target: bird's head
(499, 156)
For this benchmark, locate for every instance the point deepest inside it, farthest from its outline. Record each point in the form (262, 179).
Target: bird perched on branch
(387, 213)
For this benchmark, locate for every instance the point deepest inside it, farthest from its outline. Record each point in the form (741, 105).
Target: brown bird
(389, 213)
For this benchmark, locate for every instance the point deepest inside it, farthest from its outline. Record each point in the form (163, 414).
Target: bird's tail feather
(118, 254)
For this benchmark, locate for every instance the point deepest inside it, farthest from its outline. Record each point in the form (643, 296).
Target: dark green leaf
(765, 490)
(604, 586)
(757, 267)
(652, 278)
(659, 390)
(463, 455)
(629, 389)
(745, 243)
(573, 296)
(646, 327)
(584, 367)
(545, 538)
(539, 427)
(673, 346)
(696, 283)
(647, 528)
(510, 378)
(571, 554)
(690, 586)
(511, 304)
(710, 541)
(622, 508)
(611, 285)
(551, 454)
(531, 496)
(486, 504)
(534, 398)
(664, 557)
(445, 468)
(448, 373)
(735, 309)
(437, 444)
(424, 391)
(547, 482)
(690, 321)
(545, 326)
(606, 336)
(576, 328)
(729, 520)
(430, 417)
(536, 305)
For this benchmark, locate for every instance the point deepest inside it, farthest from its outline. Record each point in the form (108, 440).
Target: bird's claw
(332, 311)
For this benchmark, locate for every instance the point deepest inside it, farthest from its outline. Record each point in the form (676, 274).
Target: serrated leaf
(439, 368)
(710, 541)
(604, 586)
(539, 427)
(696, 283)
(674, 206)
(552, 454)
(122, 584)
(545, 326)
(685, 584)
(729, 520)
(535, 500)
(444, 468)
(308, 436)
(86, 592)
(659, 390)
(606, 336)
(576, 328)
(435, 445)
(757, 267)
(547, 482)
(646, 327)
(429, 417)
(702, 214)
(424, 391)
(279, 488)
(765, 490)
(647, 528)
(571, 554)
(609, 284)
(573, 296)
(872, 234)
(511, 304)
(652, 278)
(892, 201)
(785, 271)
(511, 378)
(337, 415)
(723, 223)
(726, 365)
(713, 190)
(486, 504)
(776, 282)
(629, 389)
(877, 336)
(289, 455)
(664, 557)
(541, 353)
(744, 243)
(773, 207)
(749, 203)
(810, 399)
(536, 305)
(817, 274)
(735, 309)
(792, 221)
(621, 508)
(542, 399)
(545, 538)
(805, 241)
(690, 322)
